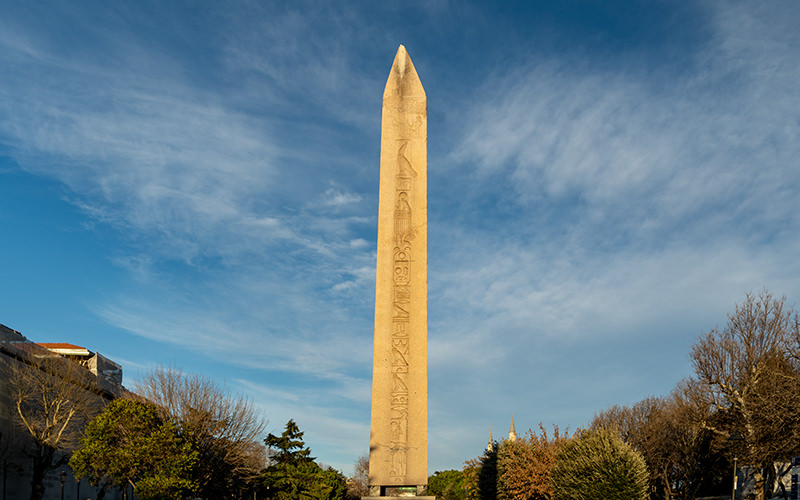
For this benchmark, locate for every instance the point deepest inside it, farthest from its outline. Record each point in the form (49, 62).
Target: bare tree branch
(748, 373)
(54, 398)
(227, 430)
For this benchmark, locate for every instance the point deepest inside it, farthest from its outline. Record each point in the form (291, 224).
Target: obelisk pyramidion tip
(401, 59)
(403, 78)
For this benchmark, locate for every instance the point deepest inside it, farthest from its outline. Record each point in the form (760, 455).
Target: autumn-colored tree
(470, 472)
(480, 476)
(747, 386)
(524, 465)
(598, 465)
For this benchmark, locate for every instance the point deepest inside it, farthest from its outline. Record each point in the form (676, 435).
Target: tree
(679, 454)
(524, 465)
(447, 485)
(480, 476)
(358, 486)
(54, 398)
(130, 443)
(288, 448)
(292, 473)
(471, 473)
(747, 386)
(291, 467)
(598, 465)
(225, 430)
(330, 484)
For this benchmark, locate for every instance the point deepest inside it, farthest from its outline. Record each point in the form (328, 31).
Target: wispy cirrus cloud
(289, 344)
(236, 257)
(599, 208)
(587, 206)
(154, 150)
(629, 160)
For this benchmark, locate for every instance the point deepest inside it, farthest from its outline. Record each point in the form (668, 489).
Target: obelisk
(398, 459)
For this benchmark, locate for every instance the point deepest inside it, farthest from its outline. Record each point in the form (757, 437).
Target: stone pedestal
(399, 498)
(398, 492)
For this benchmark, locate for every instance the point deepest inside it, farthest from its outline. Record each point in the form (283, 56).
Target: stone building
(15, 441)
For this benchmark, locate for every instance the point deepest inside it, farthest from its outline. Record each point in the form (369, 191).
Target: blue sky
(195, 184)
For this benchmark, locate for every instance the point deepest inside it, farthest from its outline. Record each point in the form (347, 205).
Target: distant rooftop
(108, 373)
(65, 349)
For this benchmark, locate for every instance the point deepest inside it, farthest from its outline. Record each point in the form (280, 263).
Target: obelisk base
(407, 492)
(410, 497)
(398, 493)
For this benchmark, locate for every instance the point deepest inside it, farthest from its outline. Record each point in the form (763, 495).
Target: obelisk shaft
(399, 431)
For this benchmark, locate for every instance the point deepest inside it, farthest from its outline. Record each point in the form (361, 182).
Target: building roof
(65, 349)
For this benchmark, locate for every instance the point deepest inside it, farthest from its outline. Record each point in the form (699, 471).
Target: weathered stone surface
(399, 432)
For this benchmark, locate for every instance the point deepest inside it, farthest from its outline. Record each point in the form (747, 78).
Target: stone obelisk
(398, 458)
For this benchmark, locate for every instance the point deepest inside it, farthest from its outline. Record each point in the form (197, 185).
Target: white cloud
(649, 158)
(337, 198)
(583, 207)
(305, 346)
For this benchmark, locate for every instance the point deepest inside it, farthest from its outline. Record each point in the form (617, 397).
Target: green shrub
(598, 465)
(447, 485)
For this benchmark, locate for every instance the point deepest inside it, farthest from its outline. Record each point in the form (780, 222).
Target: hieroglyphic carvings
(413, 115)
(401, 298)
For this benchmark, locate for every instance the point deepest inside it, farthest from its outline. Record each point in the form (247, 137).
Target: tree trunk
(779, 474)
(770, 480)
(37, 479)
(42, 464)
(758, 477)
